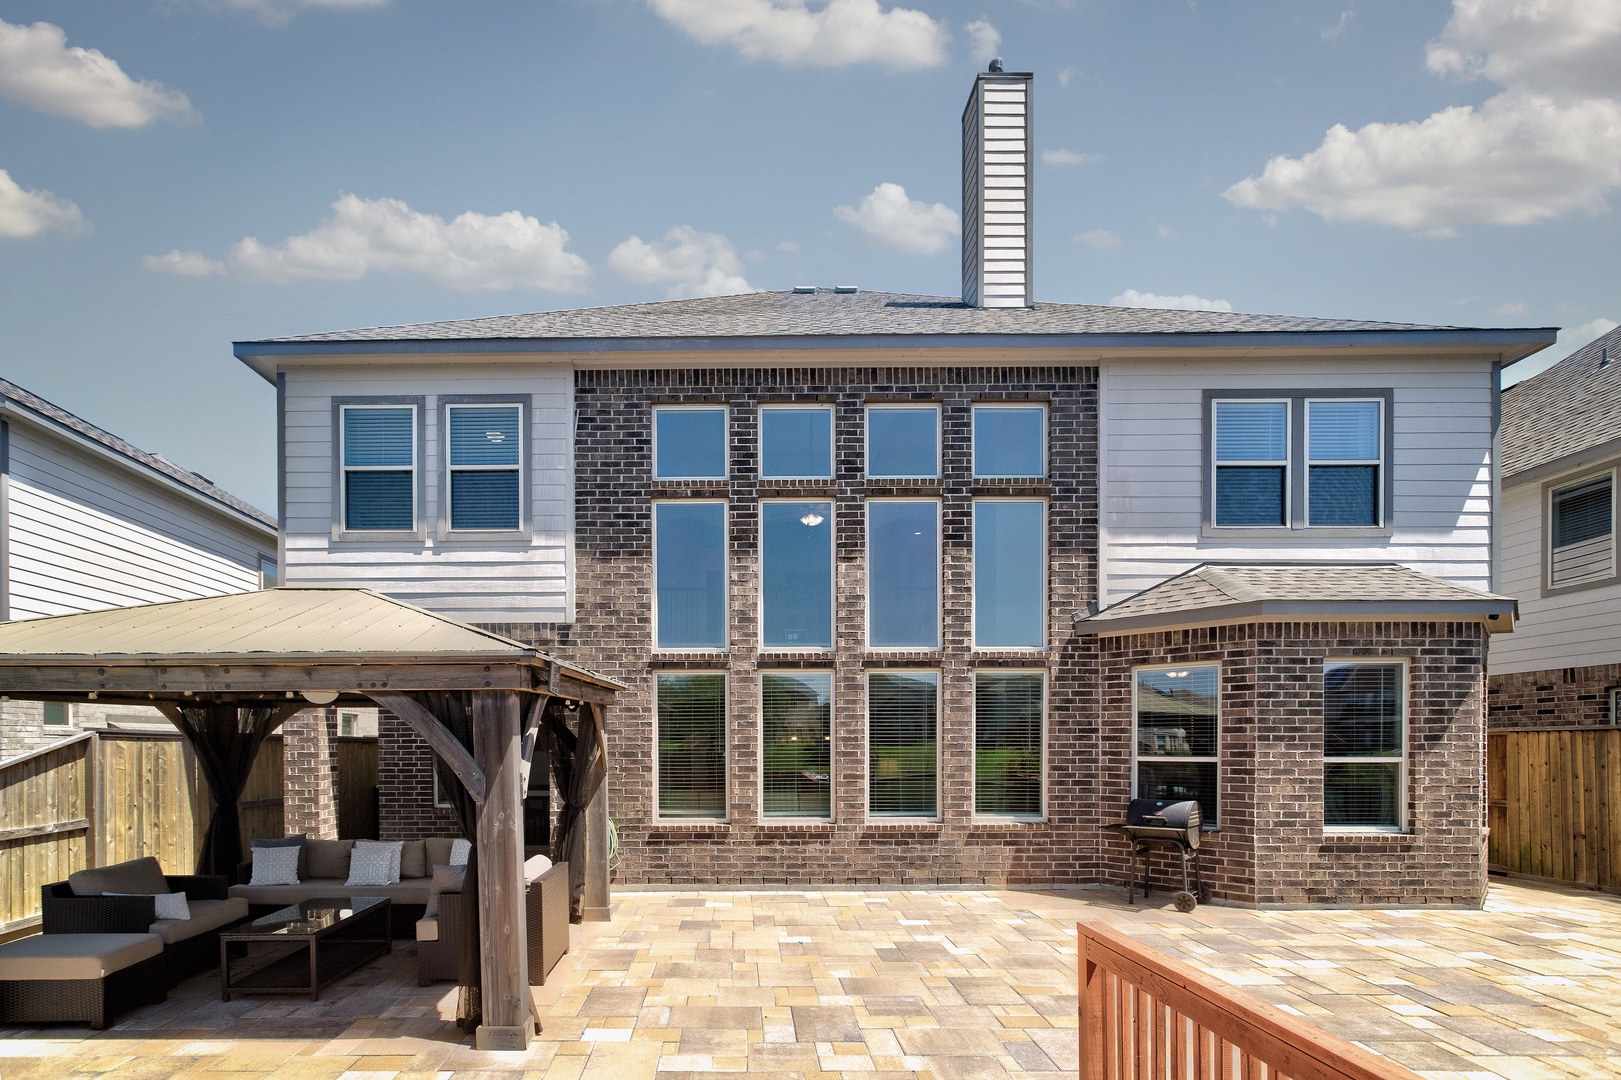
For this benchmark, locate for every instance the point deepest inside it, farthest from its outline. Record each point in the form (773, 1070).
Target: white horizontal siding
(85, 535)
(509, 582)
(1153, 490)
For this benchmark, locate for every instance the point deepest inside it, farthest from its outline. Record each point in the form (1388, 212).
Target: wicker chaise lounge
(79, 977)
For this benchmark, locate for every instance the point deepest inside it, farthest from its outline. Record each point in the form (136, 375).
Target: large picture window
(902, 744)
(1581, 531)
(797, 571)
(689, 442)
(903, 573)
(796, 740)
(1010, 441)
(796, 442)
(379, 467)
(691, 745)
(1010, 573)
(689, 571)
(1364, 745)
(903, 441)
(486, 458)
(1178, 725)
(1008, 743)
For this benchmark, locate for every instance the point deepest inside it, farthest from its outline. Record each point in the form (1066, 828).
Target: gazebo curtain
(454, 709)
(579, 765)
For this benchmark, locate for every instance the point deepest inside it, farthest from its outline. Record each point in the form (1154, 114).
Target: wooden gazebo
(229, 670)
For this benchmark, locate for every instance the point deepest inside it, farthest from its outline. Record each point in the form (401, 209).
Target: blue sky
(178, 174)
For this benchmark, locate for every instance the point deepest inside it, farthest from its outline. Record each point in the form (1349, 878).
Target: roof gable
(1574, 406)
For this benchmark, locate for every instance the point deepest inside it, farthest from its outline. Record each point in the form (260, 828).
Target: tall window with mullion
(903, 744)
(796, 736)
(796, 442)
(379, 468)
(486, 456)
(1364, 744)
(1010, 573)
(689, 570)
(692, 745)
(797, 567)
(1343, 441)
(1008, 768)
(1178, 726)
(903, 573)
(1582, 527)
(1251, 463)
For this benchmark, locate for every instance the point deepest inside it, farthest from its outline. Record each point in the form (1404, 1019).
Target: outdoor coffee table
(305, 946)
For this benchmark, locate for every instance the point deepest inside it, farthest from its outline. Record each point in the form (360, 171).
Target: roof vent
(1604, 356)
(844, 288)
(996, 65)
(803, 289)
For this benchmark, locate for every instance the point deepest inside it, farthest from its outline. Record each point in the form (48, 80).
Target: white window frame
(832, 580)
(1046, 463)
(1285, 462)
(726, 564)
(939, 745)
(448, 526)
(1553, 488)
(344, 469)
(1380, 513)
(1402, 825)
(725, 441)
(1217, 760)
(269, 572)
(348, 720)
(973, 573)
(898, 406)
(832, 759)
(832, 433)
(725, 817)
(1045, 760)
(939, 576)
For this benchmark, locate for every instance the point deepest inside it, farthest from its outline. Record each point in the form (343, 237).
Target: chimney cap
(996, 65)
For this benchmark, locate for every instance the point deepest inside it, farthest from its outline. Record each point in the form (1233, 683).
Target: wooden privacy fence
(1145, 1016)
(1554, 804)
(261, 811)
(357, 787)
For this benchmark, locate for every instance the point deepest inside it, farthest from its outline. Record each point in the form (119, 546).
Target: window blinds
(1254, 434)
(1363, 744)
(796, 737)
(1583, 524)
(692, 745)
(1007, 743)
(1338, 434)
(485, 453)
(379, 489)
(902, 754)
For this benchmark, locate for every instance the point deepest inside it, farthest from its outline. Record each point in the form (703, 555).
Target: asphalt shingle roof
(1573, 406)
(10, 391)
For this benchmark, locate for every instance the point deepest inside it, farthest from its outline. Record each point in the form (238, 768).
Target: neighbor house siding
(524, 580)
(1152, 434)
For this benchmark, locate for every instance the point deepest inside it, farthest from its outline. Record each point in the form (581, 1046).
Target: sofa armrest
(199, 886)
(244, 873)
(96, 914)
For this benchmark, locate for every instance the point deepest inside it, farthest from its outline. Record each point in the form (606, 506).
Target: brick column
(310, 773)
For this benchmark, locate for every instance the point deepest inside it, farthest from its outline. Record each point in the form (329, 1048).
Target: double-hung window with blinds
(379, 467)
(903, 752)
(796, 742)
(1344, 460)
(691, 732)
(1008, 744)
(1364, 745)
(486, 455)
(1298, 461)
(1581, 527)
(1252, 463)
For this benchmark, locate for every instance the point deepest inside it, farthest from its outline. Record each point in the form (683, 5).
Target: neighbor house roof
(14, 398)
(1232, 592)
(1553, 420)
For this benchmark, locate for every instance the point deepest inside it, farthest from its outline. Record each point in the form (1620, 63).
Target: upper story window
(379, 467)
(903, 573)
(1252, 463)
(1010, 441)
(796, 442)
(689, 575)
(485, 463)
(1178, 735)
(269, 574)
(689, 442)
(1345, 455)
(903, 442)
(1581, 531)
(797, 575)
(1010, 573)
(1364, 745)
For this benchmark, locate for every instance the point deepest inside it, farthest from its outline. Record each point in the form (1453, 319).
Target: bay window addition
(903, 574)
(691, 738)
(1177, 735)
(689, 575)
(796, 442)
(1345, 460)
(1364, 745)
(689, 442)
(796, 742)
(1252, 463)
(1010, 573)
(485, 464)
(1581, 531)
(797, 571)
(903, 442)
(903, 744)
(1008, 743)
(1010, 441)
(379, 467)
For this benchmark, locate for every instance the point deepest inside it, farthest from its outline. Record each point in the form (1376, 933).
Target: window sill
(904, 825)
(380, 536)
(788, 824)
(983, 825)
(485, 536)
(1581, 586)
(1363, 834)
(1281, 532)
(677, 658)
(691, 824)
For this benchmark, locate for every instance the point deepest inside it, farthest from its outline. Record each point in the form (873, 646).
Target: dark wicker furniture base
(61, 912)
(545, 930)
(85, 1001)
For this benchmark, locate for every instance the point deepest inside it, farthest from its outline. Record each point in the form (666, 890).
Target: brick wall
(310, 773)
(405, 809)
(23, 728)
(1563, 697)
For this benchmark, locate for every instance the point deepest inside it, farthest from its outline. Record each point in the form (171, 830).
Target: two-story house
(924, 589)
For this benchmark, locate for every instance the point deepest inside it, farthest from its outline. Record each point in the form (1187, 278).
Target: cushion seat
(75, 956)
(206, 915)
(409, 891)
(428, 928)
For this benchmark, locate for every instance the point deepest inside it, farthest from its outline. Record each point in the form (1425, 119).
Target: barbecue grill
(1164, 823)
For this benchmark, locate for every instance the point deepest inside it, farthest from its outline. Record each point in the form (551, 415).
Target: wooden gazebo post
(508, 1023)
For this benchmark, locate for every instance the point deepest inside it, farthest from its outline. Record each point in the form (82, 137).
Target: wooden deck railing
(1145, 1016)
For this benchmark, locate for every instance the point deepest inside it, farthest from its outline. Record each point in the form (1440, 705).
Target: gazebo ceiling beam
(427, 725)
(270, 680)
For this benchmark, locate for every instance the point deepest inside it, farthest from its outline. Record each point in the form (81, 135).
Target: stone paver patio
(894, 983)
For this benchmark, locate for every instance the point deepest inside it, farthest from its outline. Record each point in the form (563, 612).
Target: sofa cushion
(436, 852)
(445, 879)
(414, 859)
(328, 858)
(136, 876)
(414, 891)
(75, 956)
(428, 928)
(171, 905)
(297, 840)
(206, 915)
(275, 866)
(374, 862)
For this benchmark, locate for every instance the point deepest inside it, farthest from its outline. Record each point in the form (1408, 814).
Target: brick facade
(405, 809)
(310, 773)
(1563, 697)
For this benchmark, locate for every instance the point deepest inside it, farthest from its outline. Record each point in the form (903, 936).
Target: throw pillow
(445, 879)
(460, 851)
(171, 905)
(414, 859)
(329, 858)
(534, 866)
(437, 852)
(296, 840)
(275, 866)
(374, 862)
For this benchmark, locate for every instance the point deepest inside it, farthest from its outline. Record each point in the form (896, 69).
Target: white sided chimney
(996, 190)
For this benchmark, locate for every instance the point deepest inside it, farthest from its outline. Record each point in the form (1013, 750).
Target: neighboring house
(88, 521)
(913, 589)
(1561, 452)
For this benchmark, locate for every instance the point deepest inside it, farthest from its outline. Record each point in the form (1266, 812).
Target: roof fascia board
(12, 408)
(1301, 611)
(1581, 459)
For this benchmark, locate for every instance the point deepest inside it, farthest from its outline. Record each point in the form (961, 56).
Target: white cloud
(26, 213)
(472, 252)
(1332, 33)
(984, 40)
(1547, 145)
(277, 12)
(1067, 74)
(1570, 339)
(1166, 232)
(791, 32)
(1101, 239)
(687, 263)
(1186, 302)
(891, 219)
(1512, 309)
(1061, 156)
(788, 246)
(183, 264)
(39, 70)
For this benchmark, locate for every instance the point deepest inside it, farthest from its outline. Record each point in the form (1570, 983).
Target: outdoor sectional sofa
(327, 863)
(546, 925)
